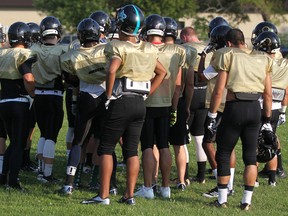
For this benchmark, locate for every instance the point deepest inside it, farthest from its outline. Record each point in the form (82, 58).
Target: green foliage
(71, 12)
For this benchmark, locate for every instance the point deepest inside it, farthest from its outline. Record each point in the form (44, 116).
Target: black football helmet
(217, 36)
(171, 27)
(268, 42)
(130, 19)
(35, 32)
(267, 146)
(103, 20)
(263, 27)
(19, 32)
(50, 25)
(217, 21)
(88, 30)
(113, 30)
(155, 25)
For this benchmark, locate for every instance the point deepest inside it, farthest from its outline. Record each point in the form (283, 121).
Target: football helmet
(171, 27)
(35, 32)
(19, 32)
(50, 25)
(268, 42)
(103, 20)
(267, 146)
(155, 25)
(217, 21)
(113, 30)
(130, 19)
(217, 36)
(88, 30)
(262, 27)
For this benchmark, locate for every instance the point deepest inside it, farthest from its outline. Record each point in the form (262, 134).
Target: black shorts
(274, 119)
(156, 128)
(178, 134)
(196, 121)
(3, 132)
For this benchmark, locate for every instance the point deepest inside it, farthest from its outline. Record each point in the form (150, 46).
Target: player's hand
(282, 119)
(210, 125)
(173, 117)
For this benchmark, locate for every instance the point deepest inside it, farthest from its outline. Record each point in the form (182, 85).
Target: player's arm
(160, 74)
(114, 64)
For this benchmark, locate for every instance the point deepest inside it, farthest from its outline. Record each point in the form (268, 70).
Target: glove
(173, 117)
(107, 103)
(266, 125)
(210, 126)
(188, 133)
(209, 48)
(282, 119)
(74, 108)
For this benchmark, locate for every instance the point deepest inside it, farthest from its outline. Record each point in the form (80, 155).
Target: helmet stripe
(138, 21)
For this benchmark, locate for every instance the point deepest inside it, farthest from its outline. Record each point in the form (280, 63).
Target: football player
(269, 42)
(48, 93)
(179, 136)
(132, 65)
(17, 88)
(161, 109)
(88, 64)
(245, 83)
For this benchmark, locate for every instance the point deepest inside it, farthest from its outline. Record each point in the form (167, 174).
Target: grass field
(40, 199)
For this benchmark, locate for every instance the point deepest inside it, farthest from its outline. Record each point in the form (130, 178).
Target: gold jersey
(172, 57)
(199, 46)
(246, 69)
(280, 73)
(191, 56)
(10, 60)
(47, 68)
(88, 64)
(138, 60)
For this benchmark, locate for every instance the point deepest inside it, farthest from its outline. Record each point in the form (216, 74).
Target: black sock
(201, 170)
(187, 171)
(279, 160)
(272, 175)
(89, 159)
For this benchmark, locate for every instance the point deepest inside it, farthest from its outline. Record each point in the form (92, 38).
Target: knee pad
(70, 135)
(74, 156)
(200, 154)
(40, 145)
(49, 149)
(223, 162)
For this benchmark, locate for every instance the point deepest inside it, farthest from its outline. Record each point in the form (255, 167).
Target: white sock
(247, 197)
(222, 195)
(40, 145)
(200, 154)
(214, 171)
(48, 169)
(1, 163)
(231, 180)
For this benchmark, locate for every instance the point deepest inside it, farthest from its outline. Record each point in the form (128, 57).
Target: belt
(19, 99)
(131, 96)
(200, 87)
(48, 92)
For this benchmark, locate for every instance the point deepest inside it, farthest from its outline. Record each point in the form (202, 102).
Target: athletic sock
(231, 180)
(222, 193)
(279, 160)
(247, 195)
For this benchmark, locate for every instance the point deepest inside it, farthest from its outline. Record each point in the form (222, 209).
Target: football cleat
(146, 192)
(96, 200)
(213, 193)
(219, 205)
(245, 206)
(66, 190)
(128, 201)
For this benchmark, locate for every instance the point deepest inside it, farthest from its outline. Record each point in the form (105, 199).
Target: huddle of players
(85, 67)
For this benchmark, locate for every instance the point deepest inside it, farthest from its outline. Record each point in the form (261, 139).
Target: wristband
(282, 110)
(212, 115)
(265, 119)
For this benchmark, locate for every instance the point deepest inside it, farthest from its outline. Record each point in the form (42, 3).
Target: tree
(71, 12)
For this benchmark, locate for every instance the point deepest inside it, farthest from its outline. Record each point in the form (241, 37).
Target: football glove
(282, 119)
(173, 117)
(210, 126)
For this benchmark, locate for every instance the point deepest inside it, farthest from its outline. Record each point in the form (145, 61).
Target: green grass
(40, 199)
